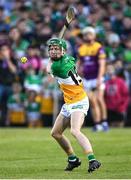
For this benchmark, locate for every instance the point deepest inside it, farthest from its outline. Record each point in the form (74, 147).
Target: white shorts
(92, 84)
(33, 116)
(68, 109)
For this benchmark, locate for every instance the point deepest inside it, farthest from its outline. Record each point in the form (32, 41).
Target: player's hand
(6, 54)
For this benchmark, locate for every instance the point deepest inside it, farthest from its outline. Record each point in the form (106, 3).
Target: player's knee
(101, 99)
(74, 132)
(55, 135)
(94, 102)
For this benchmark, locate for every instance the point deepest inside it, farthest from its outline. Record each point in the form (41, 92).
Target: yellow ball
(23, 60)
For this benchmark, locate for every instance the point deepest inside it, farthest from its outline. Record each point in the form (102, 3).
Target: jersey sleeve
(101, 53)
(72, 59)
(71, 63)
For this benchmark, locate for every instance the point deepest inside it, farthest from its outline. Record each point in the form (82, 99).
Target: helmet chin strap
(63, 51)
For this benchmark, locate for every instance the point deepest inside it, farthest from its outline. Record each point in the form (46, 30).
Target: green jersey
(33, 107)
(68, 79)
(61, 67)
(16, 101)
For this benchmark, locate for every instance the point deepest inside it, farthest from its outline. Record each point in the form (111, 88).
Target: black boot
(93, 165)
(73, 164)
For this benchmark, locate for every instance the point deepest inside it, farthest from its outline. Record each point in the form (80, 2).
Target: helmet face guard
(61, 43)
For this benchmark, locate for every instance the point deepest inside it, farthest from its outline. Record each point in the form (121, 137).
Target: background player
(62, 66)
(92, 62)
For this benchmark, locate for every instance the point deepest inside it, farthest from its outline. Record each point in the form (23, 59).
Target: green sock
(91, 157)
(72, 157)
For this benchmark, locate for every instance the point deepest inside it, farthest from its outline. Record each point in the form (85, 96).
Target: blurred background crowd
(28, 96)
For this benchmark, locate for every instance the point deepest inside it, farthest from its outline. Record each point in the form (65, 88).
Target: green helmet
(57, 41)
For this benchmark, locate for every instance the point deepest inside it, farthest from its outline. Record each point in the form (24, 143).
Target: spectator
(126, 27)
(127, 61)
(114, 49)
(3, 25)
(47, 101)
(26, 31)
(117, 19)
(8, 70)
(116, 97)
(34, 58)
(45, 33)
(18, 44)
(16, 109)
(119, 68)
(32, 80)
(33, 110)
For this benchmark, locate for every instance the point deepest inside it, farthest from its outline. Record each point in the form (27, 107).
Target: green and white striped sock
(72, 157)
(91, 157)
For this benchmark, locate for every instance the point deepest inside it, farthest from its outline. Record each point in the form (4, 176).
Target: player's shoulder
(97, 44)
(82, 47)
(99, 49)
(68, 57)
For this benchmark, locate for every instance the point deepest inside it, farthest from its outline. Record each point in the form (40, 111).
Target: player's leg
(101, 101)
(57, 132)
(60, 125)
(95, 109)
(77, 119)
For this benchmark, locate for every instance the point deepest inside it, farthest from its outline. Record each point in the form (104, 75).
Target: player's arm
(11, 65)
(79, 66)
(80, 55)
(48, 68)
(79, 63)
(102, 66)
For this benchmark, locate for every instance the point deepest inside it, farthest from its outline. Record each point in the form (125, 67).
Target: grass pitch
(32, 153)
